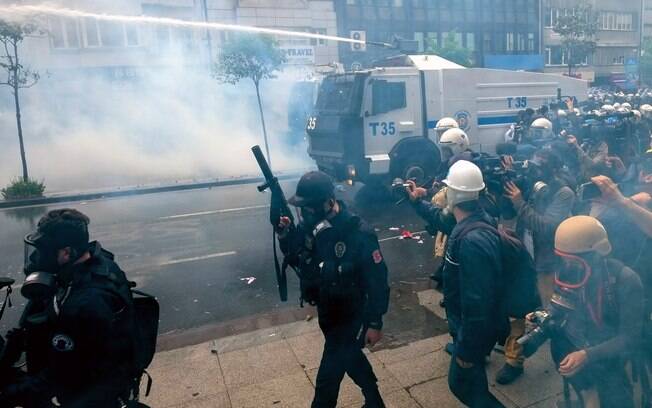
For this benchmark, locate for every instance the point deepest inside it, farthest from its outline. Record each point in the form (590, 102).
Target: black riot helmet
(58, 229)
(314, 188)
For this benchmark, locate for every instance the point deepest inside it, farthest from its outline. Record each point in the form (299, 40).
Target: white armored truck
(378, 124)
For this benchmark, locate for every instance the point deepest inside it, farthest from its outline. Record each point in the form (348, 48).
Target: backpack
(519, 293)
(143, 321)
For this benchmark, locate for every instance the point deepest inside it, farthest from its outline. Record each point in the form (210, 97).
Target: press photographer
(79, 329)
(595, 318)
(541, 205)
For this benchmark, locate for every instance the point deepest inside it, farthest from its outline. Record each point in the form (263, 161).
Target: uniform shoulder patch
(62, 343)
(378, 258)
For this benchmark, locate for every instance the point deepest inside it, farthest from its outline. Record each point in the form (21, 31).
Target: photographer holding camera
(78, 327)
(545, 203)
(595, 318)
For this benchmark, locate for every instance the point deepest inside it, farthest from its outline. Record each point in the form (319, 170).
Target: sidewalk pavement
(276, 367)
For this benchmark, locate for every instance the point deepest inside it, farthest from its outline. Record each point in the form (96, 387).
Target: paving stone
(220, 400)
(418, 370)
(283, 392)
(308, 348)
(258, 364)
(183, 374)
(400, 399)
(430, 300)
(413, 350)
(264, 336)
(539, 382)
(350, 393)
(435, 393)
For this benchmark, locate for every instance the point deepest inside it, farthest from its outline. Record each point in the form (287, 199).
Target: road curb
(135, 191)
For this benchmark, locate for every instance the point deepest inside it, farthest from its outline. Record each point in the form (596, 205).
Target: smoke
(91, 128)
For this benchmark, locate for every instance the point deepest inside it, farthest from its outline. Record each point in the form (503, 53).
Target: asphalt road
(207, 256)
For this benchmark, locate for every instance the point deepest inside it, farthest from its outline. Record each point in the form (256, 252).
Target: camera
(547, 321)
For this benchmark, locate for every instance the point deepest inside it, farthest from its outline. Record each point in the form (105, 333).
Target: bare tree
(17, 75)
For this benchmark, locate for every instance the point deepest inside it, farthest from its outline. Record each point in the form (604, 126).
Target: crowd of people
(549, 239)
(573, 190)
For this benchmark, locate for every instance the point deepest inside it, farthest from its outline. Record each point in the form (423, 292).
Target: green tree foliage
(20, 189)
(17, 76)
(254, 57)
(450, 49)
(577, 28)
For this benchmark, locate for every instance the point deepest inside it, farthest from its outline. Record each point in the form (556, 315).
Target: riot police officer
(78, 326)
(342, 272)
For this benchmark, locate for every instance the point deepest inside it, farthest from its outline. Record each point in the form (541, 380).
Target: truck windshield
(340, 94)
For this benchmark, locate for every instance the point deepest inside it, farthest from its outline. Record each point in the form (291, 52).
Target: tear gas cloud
(85, 129)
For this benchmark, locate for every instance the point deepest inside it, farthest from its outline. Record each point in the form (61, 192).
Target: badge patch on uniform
(61, 342)
(340, 249)
(378, 258)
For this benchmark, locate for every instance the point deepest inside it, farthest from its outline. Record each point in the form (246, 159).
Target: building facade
(618, 40)
(120, 48)
(508, 29)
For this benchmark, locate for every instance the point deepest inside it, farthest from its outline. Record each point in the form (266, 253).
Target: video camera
(495, 175)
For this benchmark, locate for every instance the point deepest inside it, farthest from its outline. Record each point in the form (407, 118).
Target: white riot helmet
(464, 182)
(541, 129)
(607, 109)
(637, 114)
(561, 113)
(577, 112)
(616, 105)
(455, 139)
(646, 110)
(626, 105)
(444, 124)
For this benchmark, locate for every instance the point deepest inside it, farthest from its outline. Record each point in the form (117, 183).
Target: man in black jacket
(342, 271)
(78, 338)
(472, 275)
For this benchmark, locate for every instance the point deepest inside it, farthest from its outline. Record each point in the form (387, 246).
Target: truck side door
(392, 111)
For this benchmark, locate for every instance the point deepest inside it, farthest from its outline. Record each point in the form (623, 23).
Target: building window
(64, 33)
(530, 42)
(486, 42)
(620, 60)
(509, 40)
(91, 33)
(318, 41)
(521, 42)
(470, 41)
(419, 38)
(556, 56)
(612, 21)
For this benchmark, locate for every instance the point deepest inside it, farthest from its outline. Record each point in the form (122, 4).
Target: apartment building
(618, 39)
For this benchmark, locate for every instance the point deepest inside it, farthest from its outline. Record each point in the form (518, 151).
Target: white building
(119, 49)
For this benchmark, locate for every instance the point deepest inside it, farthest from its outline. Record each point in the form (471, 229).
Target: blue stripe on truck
(497, 120)
(488, 120)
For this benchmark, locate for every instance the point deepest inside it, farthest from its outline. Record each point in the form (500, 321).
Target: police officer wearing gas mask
(546, 201)
(78, 325)
(342, 272)
(600, 302)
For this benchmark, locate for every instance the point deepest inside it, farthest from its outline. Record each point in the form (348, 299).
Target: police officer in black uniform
(78, 327)
(342, 272)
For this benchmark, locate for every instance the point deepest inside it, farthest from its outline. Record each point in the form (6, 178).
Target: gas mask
(310, 216)
(43, 272)
(574, 271)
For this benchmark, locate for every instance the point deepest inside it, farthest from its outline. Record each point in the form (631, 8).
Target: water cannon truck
(375, 125)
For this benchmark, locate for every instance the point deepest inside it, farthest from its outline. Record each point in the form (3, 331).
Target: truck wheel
(419, 169)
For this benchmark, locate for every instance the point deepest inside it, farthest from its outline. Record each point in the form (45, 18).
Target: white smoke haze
(86, 131)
